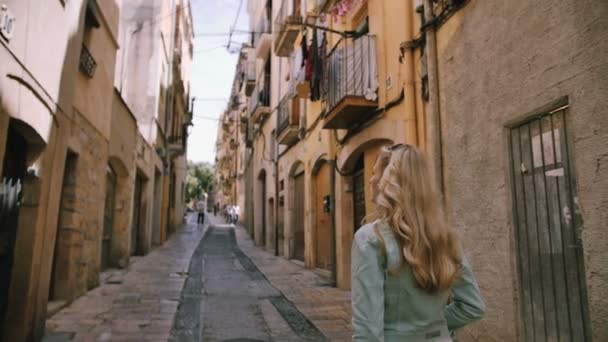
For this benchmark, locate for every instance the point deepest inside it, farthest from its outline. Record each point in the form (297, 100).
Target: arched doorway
(13, 172)
(297, 208)
(261, 208)
(323, 240)
(23, 147)
(138, 223)
(354, 202)
(108, 218)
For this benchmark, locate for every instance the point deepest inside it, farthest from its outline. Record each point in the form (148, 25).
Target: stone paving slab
(135, 304)
(328, 308)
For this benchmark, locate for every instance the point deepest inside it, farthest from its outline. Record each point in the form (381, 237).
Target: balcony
(352, 83)
(249, 78)
(262, 37)
(289, 120)
(177, 145)
(259, 102)
(287, 26)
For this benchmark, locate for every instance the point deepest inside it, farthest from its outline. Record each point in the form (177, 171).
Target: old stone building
(156, 61)
(523, 120)
(74, 157)
(232, 153)
(57, 105)
(325, 98)
(508, 110)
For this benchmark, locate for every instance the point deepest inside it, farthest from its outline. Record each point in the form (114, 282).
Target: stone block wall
(497, 62)
(81, 220)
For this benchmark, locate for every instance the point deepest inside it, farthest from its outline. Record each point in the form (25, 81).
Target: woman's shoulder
(366, 235)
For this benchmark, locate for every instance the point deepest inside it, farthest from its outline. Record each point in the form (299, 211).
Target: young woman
(408, 264)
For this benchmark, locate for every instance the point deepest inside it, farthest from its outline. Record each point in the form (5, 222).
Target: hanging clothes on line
(317, 69)
(304, 47)
(324, 74)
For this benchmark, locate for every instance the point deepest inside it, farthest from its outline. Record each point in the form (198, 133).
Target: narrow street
(202, 286)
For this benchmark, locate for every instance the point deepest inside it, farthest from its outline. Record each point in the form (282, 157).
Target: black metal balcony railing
(351, 71)
(87, 62)
(261, 95)
(283, 114)
(262, 27)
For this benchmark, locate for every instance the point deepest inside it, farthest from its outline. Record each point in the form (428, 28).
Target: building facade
(74, 156)
(509, 112)
(232, 154)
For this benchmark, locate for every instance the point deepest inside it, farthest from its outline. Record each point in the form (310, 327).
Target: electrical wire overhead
(233, 27)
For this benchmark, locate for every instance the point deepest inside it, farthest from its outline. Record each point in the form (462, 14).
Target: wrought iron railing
(262, 27)
(260, 95)
(284, 111)
(287, 16)
(352, 70)
(87, 62)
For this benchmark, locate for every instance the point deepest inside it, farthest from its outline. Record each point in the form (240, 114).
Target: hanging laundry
(324, 74)
(308, 65)
(304, 47)
(317, 69)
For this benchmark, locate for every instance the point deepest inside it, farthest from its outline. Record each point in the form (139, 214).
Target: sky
(212, 69)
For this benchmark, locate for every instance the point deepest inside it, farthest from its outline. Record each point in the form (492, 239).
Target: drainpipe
(332, 207)
(433, 128)
(410, 93)
(276, 196)
(276, 169)
(168, 111)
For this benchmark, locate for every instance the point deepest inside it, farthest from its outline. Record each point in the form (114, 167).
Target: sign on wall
(7, 23)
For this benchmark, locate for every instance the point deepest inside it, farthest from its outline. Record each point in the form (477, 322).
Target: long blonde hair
(408, 202)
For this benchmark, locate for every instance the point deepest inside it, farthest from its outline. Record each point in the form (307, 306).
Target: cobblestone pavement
(328, 308)
(201, 285)
(239, 303)
(135, 304)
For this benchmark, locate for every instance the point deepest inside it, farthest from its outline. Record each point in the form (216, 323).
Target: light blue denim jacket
(393, 308)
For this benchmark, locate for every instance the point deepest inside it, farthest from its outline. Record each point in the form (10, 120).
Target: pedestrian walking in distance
(236, 213)
(410, 279)
(201, 207)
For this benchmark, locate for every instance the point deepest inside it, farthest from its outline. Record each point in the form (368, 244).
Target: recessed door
(323, 238)
(359, 194)
(548, 222)
(138, 212)
(298, 212)
(108, 218)
(14, 167)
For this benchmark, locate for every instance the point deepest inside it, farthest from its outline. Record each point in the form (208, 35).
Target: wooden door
(547, 229)
(298, 212)
(263, 202)
(281, 226)
(271, 220)
(137, 216)
(323, 237)
(359, 194)
(108, 218)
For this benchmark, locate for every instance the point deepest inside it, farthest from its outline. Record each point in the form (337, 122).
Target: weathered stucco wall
(497, 62)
